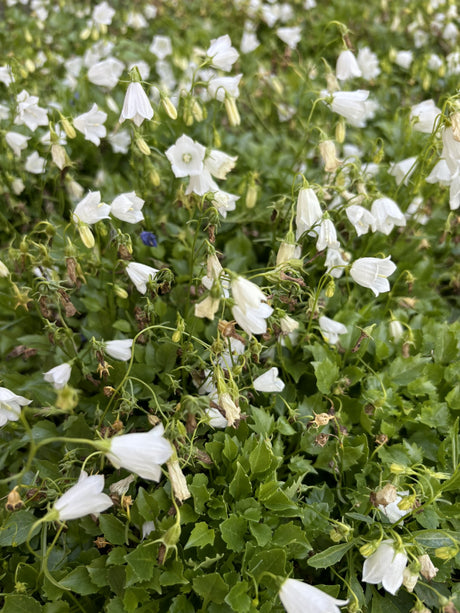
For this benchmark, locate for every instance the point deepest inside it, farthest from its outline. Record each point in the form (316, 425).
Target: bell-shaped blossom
(91, 210)
(35, 163)
(396, 330)
(286, 252)
(29, 113)
(454, 192)
(127, 207)
(119, 349)
(387, 215)
(451, 150)
(331, 330)
(219, 163)
(424, 116)
(250, 309)
(10, 405)
(385, 566)
(17, 142)
(249, 41)
(202, 184)
(91, 124)
(222, 54)
(403, 170)
(360, 217)
(223, 87)
(207, 307)
(290, 35)
(136, 105)
(120, 141)
(440, 174)
(186, 157)
(106, 73)
(392, 510)
(269, 381)
(140, 274)
(352, 106)
(224, 202)
(368, 64)
(373, 273)
(6, 76)
(327, 235)
(142, 453)
(59, 375)
(103, 13)
(308, 213)
(215, 418)
(404, 59)
(336, 260)
(347, 66)
(300, 597)
(84, 498)
(161, 46)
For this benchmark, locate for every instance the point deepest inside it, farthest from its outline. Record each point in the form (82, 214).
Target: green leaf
(263, 421)
(55, 607)
(19, 603)
(240, 485)
(16, 528)
(173, 574)
(79, 581)
(435, 538)
(292, 537)
(326, 373)
(445, 346)
(238, 597)
(271, 561)
(113, 529)
(329, 556)
(200, 536)
(233, 530)
(200, 492)
(260, 457)
(122, 325)
(261, 532)
(140, 560)
(211, 588)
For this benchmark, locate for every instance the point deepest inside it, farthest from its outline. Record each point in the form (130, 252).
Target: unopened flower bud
(398, 469)
(68, 128)
(446, 553)
(169, 107)
(367, 549)
(86, 235)
(329, 156)
(197, 111)
(142, 146)
(154, 177)
(59, 155)
(4, 272)
(340, 132)
(30, 66)
(330, 289)
(120, 292)
(251, 196)
(232, 111)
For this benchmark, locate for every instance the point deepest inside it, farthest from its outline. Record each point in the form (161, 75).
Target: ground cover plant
(229, 306)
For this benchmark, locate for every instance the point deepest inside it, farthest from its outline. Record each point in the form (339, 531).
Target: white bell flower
(17, 142)
(331, 330)
(91, 124)
(215, 418)
(425, 114)
(403, 170)
(454, 192)
(387, 215)
(127, 207)
(250, 309)
(222, 87)
(269, 381)
(392, 510)
(327, 236)
(136, 105)
(451, 150)
(440, 174)
(308, 213)
(83, 498)
(186, 157)
(119, 349)
(140, 274)
(224, 202)
(336, 260)
(59, 375)
(103, 14)
(202, 184)
(29, 113)
(347, 66)
(360, 217)
(385, 566)
(290, 35)
(35, 163)
(91, 210)
(300, 597)
(161, 46)
(142, 453)
(222, 54)
(404, 59)
(10, 405)
(219, 163)
(368, 63)
(352, 106)
(373, 273)
(6, 76)
(106, 73)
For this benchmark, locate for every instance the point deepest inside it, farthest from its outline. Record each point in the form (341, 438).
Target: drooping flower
(391, 510)
(231, 411)
(290, 35)
(352, 106)
(327, 235)
(142, 453)
(91, 124)
(387, 215)
(202, 184)
(136, 105)
(6, 76)
(140, 274)
(403, 170)
(336, 260)
(331, 330)
(219, 163)
(385, 566)
(148, 238)
(440, 174)
(368, 64)
(120, 141)
(186, 157)
(91, 210)
(17, 142)
(404, 59)
(106, 73)
(29, 113)
(250, 309)
(10, 405)
(127, 207)
(59, 375)
(119, 349)
(221, 88)
(308, 214)
(224, 202)
(347, 67)
(373, 273)
(425, 114)
(83, 498)
(360, 217)
(300, 597)
(269, 381)
(451, 150)
(222, 54)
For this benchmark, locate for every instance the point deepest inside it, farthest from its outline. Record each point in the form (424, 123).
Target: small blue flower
(149, 239)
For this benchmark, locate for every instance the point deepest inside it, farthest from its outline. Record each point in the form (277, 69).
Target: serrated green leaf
(240, 485)
(140, 560)
(232, 531)
(211, 588)
(238, 597)
(330, 556)
(326, 373)
(16, 528)
(113, 529)
(260, 457)
(20, 603)
(200, 536)
(79, 581)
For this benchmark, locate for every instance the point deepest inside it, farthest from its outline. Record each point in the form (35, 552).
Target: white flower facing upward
(250, 309)
(17, 142)
(373, 273)
(140, 274)
(58, 376)
(347, 66)
(119, 349)
(385, 566)
(222, 54)
(136, 105)
(387, 215)
(142, 453)
(161, 46)
(269, 381)
(127, 207)
(186, 157)
(91, 125)
(300, 597)
(91, 210)
(29, 113)
(83, 498)
(35, 163)
(331, 330)
(10, 405)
